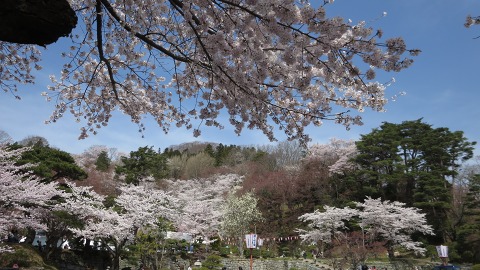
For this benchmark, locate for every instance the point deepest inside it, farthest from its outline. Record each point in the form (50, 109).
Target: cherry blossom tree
(201, 202)
(22, 195)
(380, 221)
(326, 173)
(337, 155)
(68, 213)
(330, 228)
(117, 226)
(268, 64)
(393, 223)
(326, 225)
(81, 200)
(239, 214)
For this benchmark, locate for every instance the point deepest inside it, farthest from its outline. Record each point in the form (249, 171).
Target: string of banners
(262, 241)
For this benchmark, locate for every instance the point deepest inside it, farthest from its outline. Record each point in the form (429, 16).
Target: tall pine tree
(414, 163)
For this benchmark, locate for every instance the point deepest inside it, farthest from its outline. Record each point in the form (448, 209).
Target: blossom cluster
(16, 62)
(387, 221)
(337, 154)
(201, 201)
(135, 208)
(470, 21)
(267, 63)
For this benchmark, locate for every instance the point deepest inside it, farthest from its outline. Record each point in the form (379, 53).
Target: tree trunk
(240, 246)
(116, 261)
(38, 22)
(391, 253)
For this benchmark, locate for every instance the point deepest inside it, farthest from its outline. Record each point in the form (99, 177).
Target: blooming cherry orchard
(201, 202)
(137, 207)
(266, 63)
(383, 221)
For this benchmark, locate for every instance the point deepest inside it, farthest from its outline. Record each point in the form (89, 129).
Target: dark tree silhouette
(36, 22)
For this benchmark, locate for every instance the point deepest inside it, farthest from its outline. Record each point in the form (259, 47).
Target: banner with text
(251, 240)
(442, 251)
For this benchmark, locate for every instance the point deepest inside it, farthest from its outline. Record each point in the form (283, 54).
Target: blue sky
(442, 86)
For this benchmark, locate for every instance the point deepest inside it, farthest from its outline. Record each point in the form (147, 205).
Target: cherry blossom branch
(142, 37)
(100, 47)
(282, 61)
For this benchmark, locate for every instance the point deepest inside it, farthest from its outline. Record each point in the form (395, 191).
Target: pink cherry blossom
(268, 64)
(391, 222)
(337, 152)
(201, 201)
(22, 195)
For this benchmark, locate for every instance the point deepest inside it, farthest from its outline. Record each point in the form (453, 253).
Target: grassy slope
(25, 256)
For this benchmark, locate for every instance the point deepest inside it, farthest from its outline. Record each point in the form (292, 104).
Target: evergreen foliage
(469, 231)
(50, 164)
(103, 161)
(414, 163)
(143, 163)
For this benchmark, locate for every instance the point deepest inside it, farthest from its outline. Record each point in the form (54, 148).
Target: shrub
(256, 253)
(285, 251)
(476, 267)
(224, 251)
(267, 253)
(212, 262)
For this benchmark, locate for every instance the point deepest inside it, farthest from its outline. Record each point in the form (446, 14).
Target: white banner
(251, 240)
(260, 242)
(442, 251)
